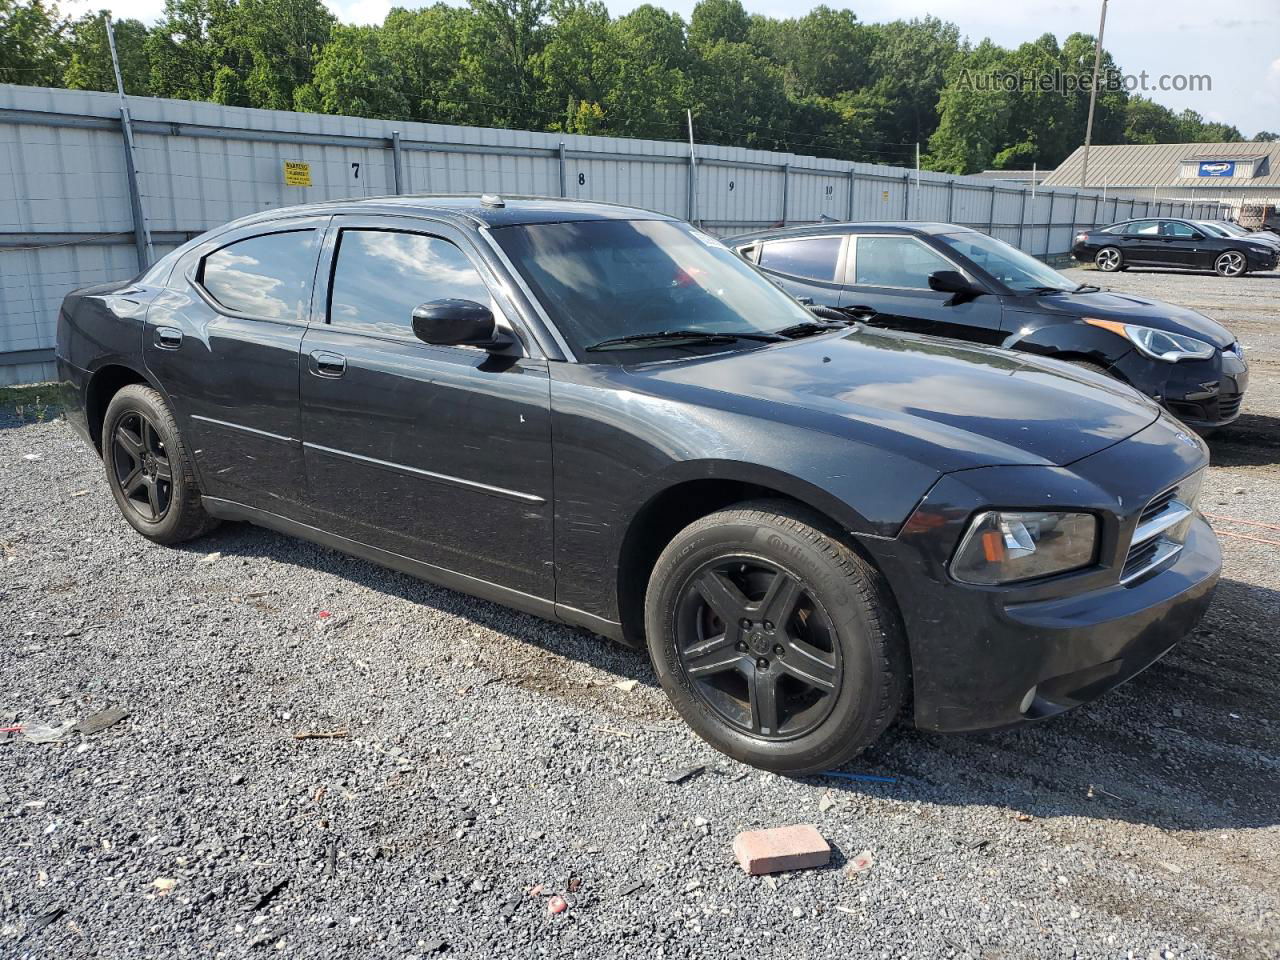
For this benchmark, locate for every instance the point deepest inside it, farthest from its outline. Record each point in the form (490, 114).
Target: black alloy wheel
(142, 467)
(777, 642)
(148, 468)
(759, 649)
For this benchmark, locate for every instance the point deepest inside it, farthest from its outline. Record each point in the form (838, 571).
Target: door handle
(325, 364)
(168, 338)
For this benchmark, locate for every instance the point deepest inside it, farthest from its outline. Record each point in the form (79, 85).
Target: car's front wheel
(1230, 264)
(777, 643)
(148, 468)
(1108, 259)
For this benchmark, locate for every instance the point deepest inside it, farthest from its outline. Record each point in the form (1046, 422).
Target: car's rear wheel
(1108, 259)
(777, 643)
(148, 469)
(1231, 263)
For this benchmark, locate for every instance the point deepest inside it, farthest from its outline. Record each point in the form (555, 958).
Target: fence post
(564, 181)
(853, 181)
(1022, 217)
(397, 171)
(951, 201)
(1048, 224)
(1075, 210)
(786, 185)
(906, 196)
(991, 218)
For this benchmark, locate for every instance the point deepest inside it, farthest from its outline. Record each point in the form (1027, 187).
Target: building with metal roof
(1244, 175)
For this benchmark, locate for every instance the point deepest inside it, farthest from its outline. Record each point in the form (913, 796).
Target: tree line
(824, 83)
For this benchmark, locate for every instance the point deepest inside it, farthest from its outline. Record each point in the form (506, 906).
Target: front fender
(1072, 338)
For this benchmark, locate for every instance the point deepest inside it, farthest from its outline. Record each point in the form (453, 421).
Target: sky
(1235, 44)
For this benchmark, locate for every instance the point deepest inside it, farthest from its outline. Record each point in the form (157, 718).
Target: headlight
(1158, 344)
(1001, 546)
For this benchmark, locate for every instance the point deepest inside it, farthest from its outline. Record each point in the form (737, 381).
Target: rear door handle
(168, 338)
(325, 364)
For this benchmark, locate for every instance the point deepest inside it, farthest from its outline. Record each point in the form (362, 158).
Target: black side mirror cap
(955, 283)
(459, 323)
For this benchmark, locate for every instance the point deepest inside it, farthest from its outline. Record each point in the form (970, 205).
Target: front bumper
(1203, 394)
(987, 657)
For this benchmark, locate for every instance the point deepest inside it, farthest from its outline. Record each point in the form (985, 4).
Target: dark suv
(600, 415)
(950, 281)
(1163, 242)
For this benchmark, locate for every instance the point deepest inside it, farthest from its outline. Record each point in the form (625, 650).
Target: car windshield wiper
(1042, 291)
(807, 328)
(1086, 288)
(688, 336)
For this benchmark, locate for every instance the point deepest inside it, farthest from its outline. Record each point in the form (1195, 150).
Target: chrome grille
(1161, 529)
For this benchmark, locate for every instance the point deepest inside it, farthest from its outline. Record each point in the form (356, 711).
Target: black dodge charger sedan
(950, 281)
(600, 415)
(1163, 242)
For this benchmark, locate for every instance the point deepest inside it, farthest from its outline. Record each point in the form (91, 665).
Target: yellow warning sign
(297, 173)
(884, 194)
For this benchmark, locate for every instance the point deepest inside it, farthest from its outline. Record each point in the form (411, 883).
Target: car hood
(951, 406)
(1131, 308)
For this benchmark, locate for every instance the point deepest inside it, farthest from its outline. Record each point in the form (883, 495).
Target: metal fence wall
(69, 216)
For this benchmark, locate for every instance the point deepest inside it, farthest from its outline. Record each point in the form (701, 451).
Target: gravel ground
(492, 761)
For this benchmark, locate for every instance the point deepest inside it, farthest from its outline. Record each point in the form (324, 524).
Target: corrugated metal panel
(202, 164)
(1158, 165)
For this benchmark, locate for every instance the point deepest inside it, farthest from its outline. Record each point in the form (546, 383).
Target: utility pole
(1093, 97)
(141, 232)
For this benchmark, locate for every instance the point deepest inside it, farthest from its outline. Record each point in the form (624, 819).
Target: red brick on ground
(781, 848)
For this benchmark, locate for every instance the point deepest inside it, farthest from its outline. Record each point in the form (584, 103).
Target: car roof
(909, 227)
(467, 208)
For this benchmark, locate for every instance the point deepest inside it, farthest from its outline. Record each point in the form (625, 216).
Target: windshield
(1234, 229)
(1214, 229)
(1016, 270)
(601, 280)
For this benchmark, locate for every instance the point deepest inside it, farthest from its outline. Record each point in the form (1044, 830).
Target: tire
(1231, 263)
(1109, 260)
(836, 663)
(141, 447)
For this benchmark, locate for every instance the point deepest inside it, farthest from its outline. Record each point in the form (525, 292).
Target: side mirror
(954, 283)
(458, 323)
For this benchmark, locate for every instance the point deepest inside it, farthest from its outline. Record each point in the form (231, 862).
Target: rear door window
(813, 257)
(1143, 228)
(268, 276)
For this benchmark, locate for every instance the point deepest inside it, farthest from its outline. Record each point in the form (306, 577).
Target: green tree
(1265, 136)
(716, 20)
(273, 45)
(351, 77)
(32, 48)
(89, 55)
(1146, 121)
(974, 113)
(187, 47)
(504, 39)
(425, 46)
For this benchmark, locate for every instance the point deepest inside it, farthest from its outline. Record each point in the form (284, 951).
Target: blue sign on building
(1217, 168)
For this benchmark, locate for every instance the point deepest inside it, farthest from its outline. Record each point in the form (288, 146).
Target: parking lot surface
(461, 763)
